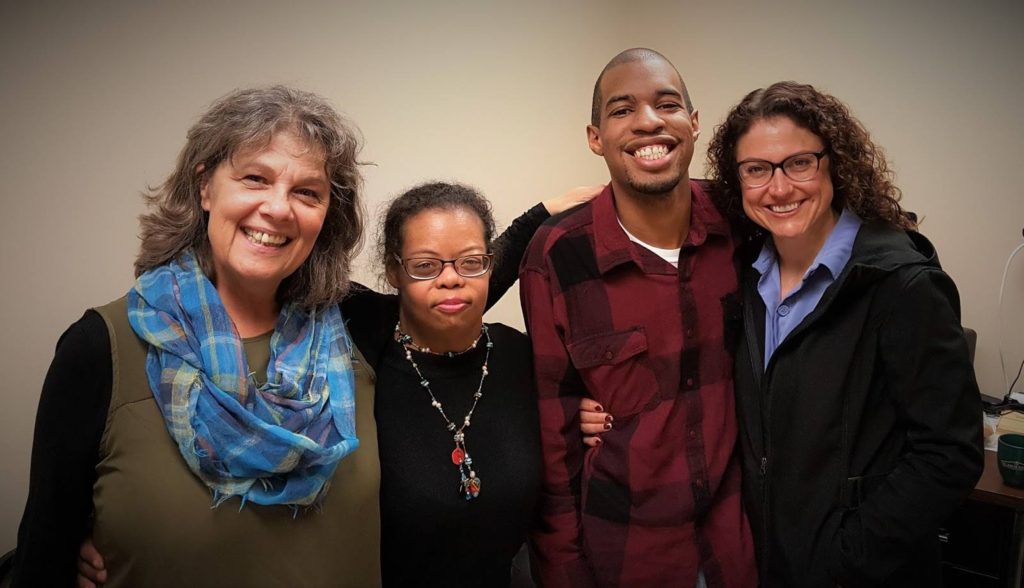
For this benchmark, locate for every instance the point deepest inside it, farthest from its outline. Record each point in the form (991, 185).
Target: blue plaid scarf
(278, 443)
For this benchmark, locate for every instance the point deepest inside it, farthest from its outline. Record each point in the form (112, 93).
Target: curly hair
(429, 196)
(861, 178)
(249, 119)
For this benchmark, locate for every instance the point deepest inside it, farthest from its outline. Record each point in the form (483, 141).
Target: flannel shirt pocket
(612, 367)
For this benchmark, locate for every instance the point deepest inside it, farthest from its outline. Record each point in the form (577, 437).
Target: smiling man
(631, 300)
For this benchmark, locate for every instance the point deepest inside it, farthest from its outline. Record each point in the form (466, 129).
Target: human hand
(593, 421)
(575, 197)
(91, 570)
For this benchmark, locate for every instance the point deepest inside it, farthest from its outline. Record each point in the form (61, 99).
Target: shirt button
(607, 354)
(693, 434)
(689, 332)
(783, 310)
(689, 381)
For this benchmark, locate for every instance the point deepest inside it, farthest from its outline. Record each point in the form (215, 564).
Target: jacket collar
(877, 251)
(882, 249)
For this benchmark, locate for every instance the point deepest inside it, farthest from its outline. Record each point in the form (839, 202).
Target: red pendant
(473, 487)
(458, 455)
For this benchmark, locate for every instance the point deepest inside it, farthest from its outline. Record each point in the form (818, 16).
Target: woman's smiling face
(266, 208)
(786, 208)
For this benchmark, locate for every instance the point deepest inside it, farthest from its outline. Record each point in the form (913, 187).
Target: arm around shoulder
(509, 248)
(69, 426)
(511, 244)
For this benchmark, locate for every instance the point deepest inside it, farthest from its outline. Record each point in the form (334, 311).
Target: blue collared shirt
(782, 316)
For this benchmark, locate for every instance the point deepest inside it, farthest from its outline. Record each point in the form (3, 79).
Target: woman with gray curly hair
(858, 408)
(224, 374)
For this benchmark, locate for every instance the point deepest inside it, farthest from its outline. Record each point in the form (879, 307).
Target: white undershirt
(669, 255)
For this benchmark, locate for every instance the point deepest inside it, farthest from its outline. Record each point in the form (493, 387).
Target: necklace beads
(469, 482)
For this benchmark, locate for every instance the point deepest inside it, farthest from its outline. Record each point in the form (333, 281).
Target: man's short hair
(630, 56)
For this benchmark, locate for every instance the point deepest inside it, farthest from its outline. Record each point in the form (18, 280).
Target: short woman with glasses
(859, 412)
(455, 406)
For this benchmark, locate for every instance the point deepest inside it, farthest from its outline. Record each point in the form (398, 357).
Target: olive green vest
(154, 522)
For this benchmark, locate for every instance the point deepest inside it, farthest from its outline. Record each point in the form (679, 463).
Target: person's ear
(391, 273)
(695, 123)
(594, 140)
(204, 182)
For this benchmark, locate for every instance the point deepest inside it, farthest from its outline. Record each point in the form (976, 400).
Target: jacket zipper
(764, 403)
(766, 437)
(765, 487)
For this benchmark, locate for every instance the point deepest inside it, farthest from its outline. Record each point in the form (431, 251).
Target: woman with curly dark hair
(863, 181)
(858, 408)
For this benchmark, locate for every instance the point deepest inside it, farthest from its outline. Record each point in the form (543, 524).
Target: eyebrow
(435, 254)
(314, 181)
(619, 98)
(758, 159)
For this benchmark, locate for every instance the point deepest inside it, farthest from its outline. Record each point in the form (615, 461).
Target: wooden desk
(990, 487)
(991, 490)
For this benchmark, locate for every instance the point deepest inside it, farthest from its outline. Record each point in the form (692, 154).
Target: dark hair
(861, 178)
(428, 196)
(247, 119)
(630, 56)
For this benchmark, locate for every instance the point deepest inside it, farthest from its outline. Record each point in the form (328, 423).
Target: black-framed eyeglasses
(799, 167)
(428, 268)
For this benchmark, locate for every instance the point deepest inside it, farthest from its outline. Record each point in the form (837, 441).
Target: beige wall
(97, 97)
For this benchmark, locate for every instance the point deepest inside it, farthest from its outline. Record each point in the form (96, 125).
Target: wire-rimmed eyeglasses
(428, 268)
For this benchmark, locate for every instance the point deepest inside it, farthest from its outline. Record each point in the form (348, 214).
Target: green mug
(1011, 459)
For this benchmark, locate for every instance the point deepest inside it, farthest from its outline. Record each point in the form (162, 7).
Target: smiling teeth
(784, 207)
(261, 238)
(651, 152)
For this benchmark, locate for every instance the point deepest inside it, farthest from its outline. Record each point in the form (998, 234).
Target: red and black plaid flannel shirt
(659, 499)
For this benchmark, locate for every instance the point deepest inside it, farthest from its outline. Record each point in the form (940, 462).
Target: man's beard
(656, 187)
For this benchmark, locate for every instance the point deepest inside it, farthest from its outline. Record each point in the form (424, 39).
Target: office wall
(97, 97)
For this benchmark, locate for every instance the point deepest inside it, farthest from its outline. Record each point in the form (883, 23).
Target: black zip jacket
(863, 433)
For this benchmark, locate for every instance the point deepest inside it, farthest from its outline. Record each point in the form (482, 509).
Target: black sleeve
(929, 374)
(65, 449)
(509, 248)
(370, 317)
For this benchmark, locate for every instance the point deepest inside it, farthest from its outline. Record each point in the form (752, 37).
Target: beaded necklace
(469, 483)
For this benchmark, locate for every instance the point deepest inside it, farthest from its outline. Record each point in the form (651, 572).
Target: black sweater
(430, 534)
